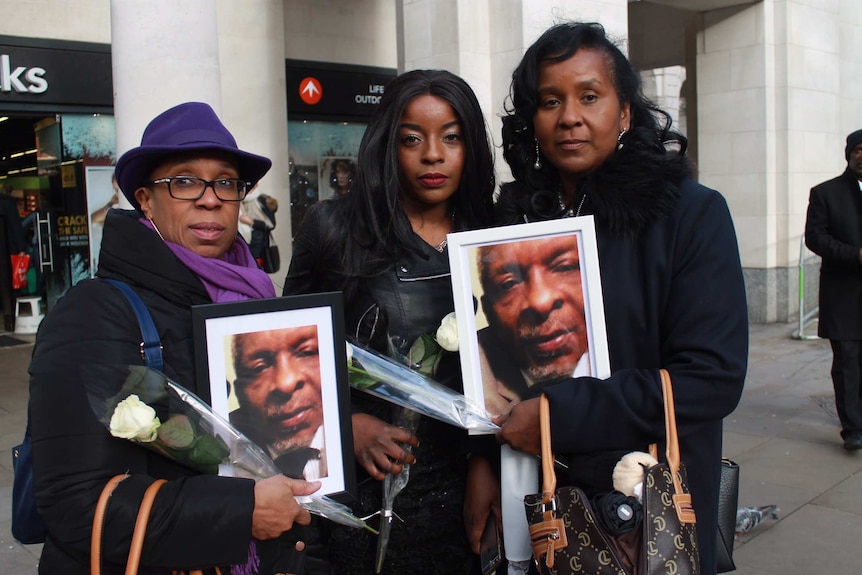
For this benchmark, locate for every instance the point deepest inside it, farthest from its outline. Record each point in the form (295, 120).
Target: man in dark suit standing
(833, 230)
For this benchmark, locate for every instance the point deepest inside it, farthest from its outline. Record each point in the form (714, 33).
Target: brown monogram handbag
(567, 536)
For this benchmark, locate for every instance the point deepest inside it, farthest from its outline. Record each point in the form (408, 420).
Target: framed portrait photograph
(277, 370)
(528, 303)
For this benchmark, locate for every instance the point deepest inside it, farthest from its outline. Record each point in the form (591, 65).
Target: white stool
(28, 314)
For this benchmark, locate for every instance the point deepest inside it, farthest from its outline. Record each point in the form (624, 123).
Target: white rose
(134, 419)
(447, 333)
(349, 354)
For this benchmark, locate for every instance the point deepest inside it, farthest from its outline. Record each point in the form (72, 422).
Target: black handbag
(271, 257)
(27, 525)
(568, 538)
(728, 500)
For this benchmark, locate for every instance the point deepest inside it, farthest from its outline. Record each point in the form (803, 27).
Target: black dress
(414, 296)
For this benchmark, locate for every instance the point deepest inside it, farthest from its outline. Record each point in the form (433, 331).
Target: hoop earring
(620, 138)
(538, 163)
(155, 228)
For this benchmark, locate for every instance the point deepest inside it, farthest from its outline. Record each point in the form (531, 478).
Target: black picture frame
(214, 328)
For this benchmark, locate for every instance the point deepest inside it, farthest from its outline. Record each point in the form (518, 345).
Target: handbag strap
(681, 499)
(139, 533)
(672, 446)
(549, 476)
(151, 345)
(141, 526)
(98, 524)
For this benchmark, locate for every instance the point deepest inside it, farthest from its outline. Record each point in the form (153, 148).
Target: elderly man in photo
(534, 302)
(280, 404)
(833, 230)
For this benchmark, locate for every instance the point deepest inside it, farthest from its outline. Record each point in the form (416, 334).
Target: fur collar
(633, 189)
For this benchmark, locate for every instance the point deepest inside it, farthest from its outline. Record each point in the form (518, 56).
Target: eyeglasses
(191, 188)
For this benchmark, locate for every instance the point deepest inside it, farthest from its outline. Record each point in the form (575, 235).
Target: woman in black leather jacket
(425, 169)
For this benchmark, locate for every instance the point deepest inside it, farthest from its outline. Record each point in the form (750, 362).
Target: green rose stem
(424, 356)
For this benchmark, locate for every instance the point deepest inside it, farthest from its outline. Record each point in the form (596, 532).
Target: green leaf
(417, 351)
(209, 451)
(361, 379)
(424, 355)
(177, 432)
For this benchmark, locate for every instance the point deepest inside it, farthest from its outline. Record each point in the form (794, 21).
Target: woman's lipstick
(434, 180)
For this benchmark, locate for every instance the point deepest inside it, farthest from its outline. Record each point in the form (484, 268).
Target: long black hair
(375, 227)
(644, 156)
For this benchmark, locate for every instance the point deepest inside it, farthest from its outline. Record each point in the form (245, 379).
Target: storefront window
(88, 141)
(322, 162)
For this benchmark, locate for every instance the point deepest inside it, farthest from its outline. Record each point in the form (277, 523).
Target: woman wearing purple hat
(178, 248)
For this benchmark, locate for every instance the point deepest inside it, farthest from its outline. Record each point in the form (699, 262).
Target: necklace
(567, 211)
(442, 245)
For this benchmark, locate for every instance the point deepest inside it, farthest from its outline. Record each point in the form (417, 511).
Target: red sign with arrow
(310, 90)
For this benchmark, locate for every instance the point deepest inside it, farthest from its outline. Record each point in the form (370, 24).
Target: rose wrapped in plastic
(134, 419)
(192, 434)
(389, 380)
(447, 333)
(409, 385)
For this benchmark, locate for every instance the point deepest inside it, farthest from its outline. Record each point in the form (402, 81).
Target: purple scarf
(236, 277)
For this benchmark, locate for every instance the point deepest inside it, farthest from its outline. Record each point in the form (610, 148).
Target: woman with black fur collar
(582, 139)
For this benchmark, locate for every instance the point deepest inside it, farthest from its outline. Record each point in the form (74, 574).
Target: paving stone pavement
(784, 435)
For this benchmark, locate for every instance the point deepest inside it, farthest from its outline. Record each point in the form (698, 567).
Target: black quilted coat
(198, 520)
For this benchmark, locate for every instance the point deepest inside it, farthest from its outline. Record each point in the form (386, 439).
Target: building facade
(766, 91)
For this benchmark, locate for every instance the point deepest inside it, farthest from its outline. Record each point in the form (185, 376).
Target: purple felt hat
(188, 127)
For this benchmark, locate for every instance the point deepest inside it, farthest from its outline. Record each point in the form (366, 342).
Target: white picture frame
(480, 383)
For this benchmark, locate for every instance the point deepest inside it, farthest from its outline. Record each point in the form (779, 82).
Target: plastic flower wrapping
(159, 414)
(409, 387)
(389, 380)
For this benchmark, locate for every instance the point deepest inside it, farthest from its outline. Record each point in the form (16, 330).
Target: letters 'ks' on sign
(14, 79)
(310, 90)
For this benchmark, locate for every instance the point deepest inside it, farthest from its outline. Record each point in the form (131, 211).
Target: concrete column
(254, 108)
(774, 84)
(664, 87)
(164, 53)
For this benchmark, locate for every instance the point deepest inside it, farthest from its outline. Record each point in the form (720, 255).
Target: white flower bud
(133, 419)
(447, 333)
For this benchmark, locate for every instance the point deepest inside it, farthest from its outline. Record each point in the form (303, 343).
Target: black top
(414, 294)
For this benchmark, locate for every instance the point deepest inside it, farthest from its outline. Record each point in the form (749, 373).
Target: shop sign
(55, 72)
(334, 92)
(21, 78)
(67, 173)
(72, 230)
